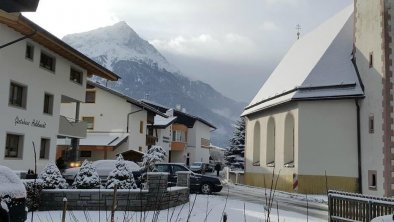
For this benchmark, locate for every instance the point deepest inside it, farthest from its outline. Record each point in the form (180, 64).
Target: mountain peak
(121, 28)
(117, 42)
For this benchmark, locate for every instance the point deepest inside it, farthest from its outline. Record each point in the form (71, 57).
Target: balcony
(151, 140)
(71, 128)
(178, 146)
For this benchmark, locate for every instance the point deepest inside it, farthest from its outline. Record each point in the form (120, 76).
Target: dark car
(200, 167)
(198, 182)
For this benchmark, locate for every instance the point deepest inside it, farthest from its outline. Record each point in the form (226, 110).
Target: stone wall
(157, 197)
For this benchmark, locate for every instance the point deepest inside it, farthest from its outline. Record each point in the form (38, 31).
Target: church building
(324, 118)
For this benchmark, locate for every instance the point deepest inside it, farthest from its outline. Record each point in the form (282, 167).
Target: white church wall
(368, 42)
(328, 138)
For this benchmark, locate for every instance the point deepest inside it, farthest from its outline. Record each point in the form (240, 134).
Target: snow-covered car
(103, 167)
(12, 196)
(384, 218)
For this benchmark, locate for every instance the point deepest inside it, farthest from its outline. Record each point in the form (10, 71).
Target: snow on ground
(282, 194)
(202, 208)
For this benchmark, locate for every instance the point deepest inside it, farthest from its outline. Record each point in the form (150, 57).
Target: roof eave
(24, 26)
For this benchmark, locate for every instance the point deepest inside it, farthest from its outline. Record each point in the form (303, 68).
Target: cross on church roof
(298, 27)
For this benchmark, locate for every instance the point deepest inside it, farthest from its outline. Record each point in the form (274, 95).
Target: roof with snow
(162, 122)
(100, 139)
(128, 99)
(33, 31)
(182, 117)
(317, 66)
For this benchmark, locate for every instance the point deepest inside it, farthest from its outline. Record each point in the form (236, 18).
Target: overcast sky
(231, 44)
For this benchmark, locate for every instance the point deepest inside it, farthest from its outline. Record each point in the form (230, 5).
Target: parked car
(383, 218)
(200, 167)
(103, 167)
(12, 197)
(198, 183)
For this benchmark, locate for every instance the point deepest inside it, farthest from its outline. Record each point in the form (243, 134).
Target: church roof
(317, 66)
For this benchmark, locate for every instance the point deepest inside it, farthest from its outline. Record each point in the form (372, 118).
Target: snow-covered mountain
(115, 43)
(146, 74)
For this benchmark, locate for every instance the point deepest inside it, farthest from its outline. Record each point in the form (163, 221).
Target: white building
(186, 138)
(373, 41)
(302, 124)
(330, 115)
(37, 72)
(116, 124)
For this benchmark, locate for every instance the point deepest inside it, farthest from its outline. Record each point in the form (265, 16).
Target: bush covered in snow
(120, 177)
(33, 189)
(10, 184)
(87, 177)
(154, 155)
(52, 177)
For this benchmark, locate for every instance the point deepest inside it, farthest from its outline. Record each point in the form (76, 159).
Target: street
(285, 202)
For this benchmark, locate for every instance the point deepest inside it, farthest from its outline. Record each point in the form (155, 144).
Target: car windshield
(196, 164)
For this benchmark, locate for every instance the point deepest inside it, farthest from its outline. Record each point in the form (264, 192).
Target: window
(14, 145)
(179, 136)
(90, 97)
(372, 180)
(163, 168)
(89, 122)
(270, 155)
(18, 95)
(176, 168)
(370, 60)
(48, 103)
(76, 76)
(256, 144)
(289, 141)
(141, 127)
(85, 154)
(44, 148)
(371, 124)
(29, 54)
(47, 62)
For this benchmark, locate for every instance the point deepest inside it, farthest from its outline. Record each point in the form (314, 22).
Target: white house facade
(37, 72)
(116, 124)
(187, 137)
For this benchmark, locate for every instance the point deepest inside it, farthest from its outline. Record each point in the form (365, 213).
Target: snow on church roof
(317, 66)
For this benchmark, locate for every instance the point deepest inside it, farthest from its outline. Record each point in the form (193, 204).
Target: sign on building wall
(31, 123)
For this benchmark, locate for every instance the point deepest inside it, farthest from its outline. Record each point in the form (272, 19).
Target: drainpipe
(75, 141)
(128, 117)
(360, 187)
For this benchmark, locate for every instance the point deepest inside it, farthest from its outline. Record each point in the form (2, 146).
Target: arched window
(256, 144)
(289, 141)
(270, 142)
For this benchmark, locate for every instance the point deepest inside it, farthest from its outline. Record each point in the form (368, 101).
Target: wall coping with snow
(158, 196)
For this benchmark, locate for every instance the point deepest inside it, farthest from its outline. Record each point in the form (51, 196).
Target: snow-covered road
(317, 205)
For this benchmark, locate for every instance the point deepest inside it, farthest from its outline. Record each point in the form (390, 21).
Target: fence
(353, 207)
(157, 197)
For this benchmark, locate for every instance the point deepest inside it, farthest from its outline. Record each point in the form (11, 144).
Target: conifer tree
(120, 177)
(87, 177)
(52, 177)
(234, 156)
(154, 155)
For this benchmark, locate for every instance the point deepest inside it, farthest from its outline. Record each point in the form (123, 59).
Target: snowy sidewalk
(201, 208)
